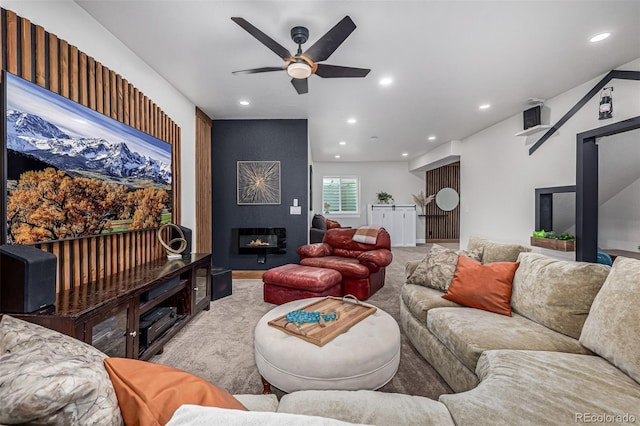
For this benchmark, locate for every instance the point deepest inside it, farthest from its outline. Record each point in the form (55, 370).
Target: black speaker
(531, 117)
(187, 236)
(221, 283)
(27, 279)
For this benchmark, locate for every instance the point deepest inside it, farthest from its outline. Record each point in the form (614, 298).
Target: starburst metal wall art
(258, 182)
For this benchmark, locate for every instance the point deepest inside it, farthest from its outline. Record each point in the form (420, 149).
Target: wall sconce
(606, 104)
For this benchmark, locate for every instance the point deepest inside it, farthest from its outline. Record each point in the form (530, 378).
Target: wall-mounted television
(69, 171)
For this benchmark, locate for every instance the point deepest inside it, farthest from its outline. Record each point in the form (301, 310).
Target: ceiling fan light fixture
(299, 70)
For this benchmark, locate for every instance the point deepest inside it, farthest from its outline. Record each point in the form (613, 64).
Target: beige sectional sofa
(542, 364)
(569, 354)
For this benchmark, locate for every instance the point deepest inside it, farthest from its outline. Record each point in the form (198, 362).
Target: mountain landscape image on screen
(31, 135)
(72, 171)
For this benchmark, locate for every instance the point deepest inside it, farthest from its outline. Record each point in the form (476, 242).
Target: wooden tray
(350, 312)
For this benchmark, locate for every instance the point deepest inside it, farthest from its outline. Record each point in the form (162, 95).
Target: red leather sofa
(362, 266)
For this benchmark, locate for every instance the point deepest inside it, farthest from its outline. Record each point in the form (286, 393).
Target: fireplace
(260, 241)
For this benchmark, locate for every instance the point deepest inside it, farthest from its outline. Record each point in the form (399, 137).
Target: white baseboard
(421, 241)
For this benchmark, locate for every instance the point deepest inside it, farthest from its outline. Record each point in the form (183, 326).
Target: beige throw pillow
(496, 252)
(556, 293)
(611, 329)
(437, 268)
(50, 378)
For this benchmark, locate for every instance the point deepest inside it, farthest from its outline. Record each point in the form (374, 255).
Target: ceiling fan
(303, 65)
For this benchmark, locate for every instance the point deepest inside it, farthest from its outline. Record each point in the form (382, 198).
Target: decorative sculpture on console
(173, 253)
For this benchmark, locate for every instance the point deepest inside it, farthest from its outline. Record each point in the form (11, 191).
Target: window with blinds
(340, 194)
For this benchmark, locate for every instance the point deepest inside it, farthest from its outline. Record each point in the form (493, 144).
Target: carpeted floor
(217, 345)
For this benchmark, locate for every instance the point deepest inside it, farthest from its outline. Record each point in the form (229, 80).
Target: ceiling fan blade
(336, 71)
(257, 70)
(328, 43)
(301, 85)
(275, 47)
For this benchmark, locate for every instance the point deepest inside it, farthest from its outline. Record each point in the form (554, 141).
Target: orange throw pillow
(149, 394)
(486, 287)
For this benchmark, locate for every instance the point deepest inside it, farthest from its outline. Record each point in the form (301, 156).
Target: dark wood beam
(619, 74)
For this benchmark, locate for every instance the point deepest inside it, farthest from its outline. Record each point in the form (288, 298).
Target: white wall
(392, 177)
(619, 220)
(498, 177)
(70, 22)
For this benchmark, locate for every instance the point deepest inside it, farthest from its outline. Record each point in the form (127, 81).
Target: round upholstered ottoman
(365, 357)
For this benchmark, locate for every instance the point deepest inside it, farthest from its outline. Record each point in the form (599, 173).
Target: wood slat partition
(25, 45)
(11, 42)
(86, 259)
(63, 67)
(203, 183)
(83, 75)
(440, 225)
(74, 86)
(54, 77)
(42, 58)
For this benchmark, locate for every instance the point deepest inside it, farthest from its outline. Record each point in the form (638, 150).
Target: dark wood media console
(106, 313)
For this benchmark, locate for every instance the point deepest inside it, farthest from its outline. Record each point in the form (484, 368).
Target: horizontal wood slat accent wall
(203, 183)
(42, 58)
(441, 225)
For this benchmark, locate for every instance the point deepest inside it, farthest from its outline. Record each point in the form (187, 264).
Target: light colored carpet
(217, 345)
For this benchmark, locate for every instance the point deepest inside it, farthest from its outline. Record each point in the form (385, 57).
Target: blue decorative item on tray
(301, 316)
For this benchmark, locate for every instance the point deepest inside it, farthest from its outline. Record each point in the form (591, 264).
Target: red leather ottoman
(292, 282)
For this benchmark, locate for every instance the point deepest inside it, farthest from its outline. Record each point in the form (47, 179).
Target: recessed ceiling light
(599, 37)
(485, 106)
(432, 138)
(244, 103)
(337, 156)
(342, 143)
(386, 81)
(352, 121)
(405, 154)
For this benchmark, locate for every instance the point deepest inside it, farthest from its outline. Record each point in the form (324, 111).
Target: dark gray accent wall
(258, 140)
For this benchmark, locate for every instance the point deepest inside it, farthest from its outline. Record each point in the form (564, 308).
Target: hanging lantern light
(606, 104)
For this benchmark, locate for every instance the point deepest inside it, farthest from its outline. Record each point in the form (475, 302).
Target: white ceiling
(445, 57)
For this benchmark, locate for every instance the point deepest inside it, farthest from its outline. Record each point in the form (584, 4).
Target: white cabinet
(398, 219)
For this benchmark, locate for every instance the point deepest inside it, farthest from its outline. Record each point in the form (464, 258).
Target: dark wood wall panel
(441, 225)
(41, 57)
(204, 242)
